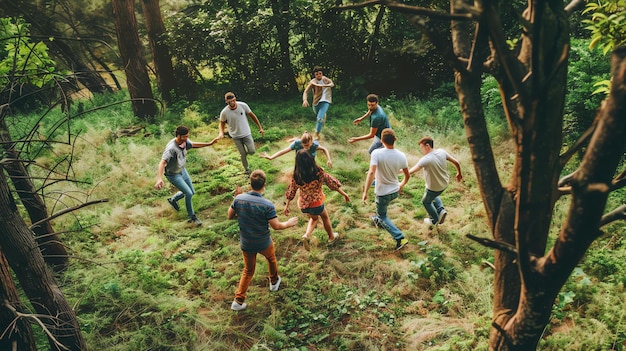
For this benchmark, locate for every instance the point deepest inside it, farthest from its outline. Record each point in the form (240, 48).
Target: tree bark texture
(131, 51)
(160, 51)
(19, 246)
(13, 336)
(49, 243)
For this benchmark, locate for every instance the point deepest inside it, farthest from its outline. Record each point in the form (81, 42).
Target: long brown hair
(305, 170)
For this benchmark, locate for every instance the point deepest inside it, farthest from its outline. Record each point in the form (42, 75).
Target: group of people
(256, 215)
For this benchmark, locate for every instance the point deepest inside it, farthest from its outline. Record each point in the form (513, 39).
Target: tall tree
(286, 76)
(160, 51)
(131, 52)
(19, 246)
(16, 331)
(532, 79)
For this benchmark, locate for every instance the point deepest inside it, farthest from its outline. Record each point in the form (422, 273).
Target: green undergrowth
(145, 279)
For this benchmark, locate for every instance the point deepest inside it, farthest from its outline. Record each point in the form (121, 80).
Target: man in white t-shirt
(384, 165)
(437, 178)
(236, 114)
(322, 97)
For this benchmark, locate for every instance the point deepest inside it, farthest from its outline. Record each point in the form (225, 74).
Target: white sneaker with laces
(274, 287)
(236, 306)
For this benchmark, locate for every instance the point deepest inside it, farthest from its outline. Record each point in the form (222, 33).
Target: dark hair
(427, 140)
(182, 130)
(317, 69)
(372, 98)
(305, 170)
(388, 136)
(257, 179)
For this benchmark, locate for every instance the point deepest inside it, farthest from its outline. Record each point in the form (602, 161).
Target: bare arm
(358, 120)
(278, 225)
(456, 164)
(196, 144)
(222, 128)
(415, 168)
(329, 163)
(368, 181)
(277, 154)
(160, 169)
(345, 196)
(254, 118)
(407, 175)
(231, 213)
(364, 137)
(305, 98)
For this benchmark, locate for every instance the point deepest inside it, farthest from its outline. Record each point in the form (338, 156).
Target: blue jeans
(433, 204)
(320, 111)
(382, 202)
(376, 144)
(183, 183)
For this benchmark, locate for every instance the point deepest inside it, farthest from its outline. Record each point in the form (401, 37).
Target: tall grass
(148, 280)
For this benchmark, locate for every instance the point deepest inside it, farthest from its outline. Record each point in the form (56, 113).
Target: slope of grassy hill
(148, 280)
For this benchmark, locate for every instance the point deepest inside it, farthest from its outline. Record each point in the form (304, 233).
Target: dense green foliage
(236, 48)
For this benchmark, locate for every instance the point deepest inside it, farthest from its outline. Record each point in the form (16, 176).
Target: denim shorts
(316, 211)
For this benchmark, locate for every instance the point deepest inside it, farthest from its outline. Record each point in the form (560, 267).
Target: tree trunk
(287, 78)
(18, 244)
(18, 337)
(160, 51)
(131, 51)
(49, 243)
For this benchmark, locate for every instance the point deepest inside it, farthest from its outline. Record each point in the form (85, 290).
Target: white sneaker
(274, 287)
(236, 306)
(429, 222)
(442, 216)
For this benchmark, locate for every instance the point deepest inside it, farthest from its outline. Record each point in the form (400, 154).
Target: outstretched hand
(292, 221)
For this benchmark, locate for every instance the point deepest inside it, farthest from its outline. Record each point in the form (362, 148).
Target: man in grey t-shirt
(434, 164)
(236, 114)
(172, 164)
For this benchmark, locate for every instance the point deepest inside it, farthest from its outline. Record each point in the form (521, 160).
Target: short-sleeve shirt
(253, 214)
(175, 156)
(297, 145)
(237, 120)
(388, 162)
(436, 173)
(378, 119)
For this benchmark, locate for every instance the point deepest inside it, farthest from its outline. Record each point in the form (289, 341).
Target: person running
(322, 97)
(308, 177)
(436, 177)
(384, 166)
(172, 164)
(236, 114)
(378, 122)
(305, 142)
(255, 215)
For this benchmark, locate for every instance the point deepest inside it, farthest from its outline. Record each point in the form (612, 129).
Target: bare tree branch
(34, 317)
(615, 215)
(574, 5)
(413, 10)
(582, 140)
(619, 181)
(498, 245)
(60, 213)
